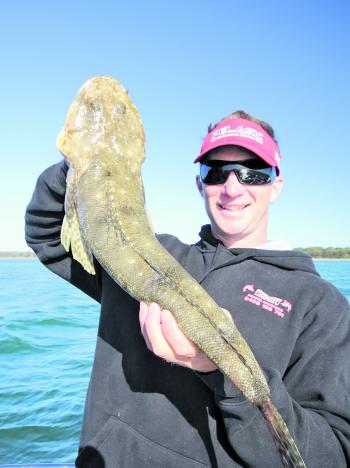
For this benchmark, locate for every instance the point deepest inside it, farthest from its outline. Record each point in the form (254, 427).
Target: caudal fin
(285, 444)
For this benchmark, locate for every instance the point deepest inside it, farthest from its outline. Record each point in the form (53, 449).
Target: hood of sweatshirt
(286, 259)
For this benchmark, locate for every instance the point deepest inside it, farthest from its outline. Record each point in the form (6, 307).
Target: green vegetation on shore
(315, 252)
(328, 252)
(17, 254)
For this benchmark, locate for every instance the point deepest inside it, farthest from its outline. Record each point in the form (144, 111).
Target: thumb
(228, 313)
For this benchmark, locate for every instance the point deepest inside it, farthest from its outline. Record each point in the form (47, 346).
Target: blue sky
(185, 64)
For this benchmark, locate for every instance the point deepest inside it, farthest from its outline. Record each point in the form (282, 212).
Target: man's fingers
(162, 335)
(153, 331)
(181, 345)
(227, 313)
(142, 318)
(164, 338)
(143, 313)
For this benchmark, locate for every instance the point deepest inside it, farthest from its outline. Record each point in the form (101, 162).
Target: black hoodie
(143, 412)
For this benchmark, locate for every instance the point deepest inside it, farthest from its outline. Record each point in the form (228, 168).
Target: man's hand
(164, 338)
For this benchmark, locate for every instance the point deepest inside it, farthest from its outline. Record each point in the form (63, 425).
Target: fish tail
(285, 444)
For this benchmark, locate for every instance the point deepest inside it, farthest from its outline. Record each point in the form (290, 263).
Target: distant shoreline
(17, 255)
(31, 256)
(34, 257)
(327, 258)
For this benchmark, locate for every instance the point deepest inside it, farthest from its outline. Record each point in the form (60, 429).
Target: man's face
(238, 212)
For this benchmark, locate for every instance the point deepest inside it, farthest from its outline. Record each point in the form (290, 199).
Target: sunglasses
(249, 172)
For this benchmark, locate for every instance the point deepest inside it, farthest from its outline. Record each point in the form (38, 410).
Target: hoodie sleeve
(313, 395)
(43, 221)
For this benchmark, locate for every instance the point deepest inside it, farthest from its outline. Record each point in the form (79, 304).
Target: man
(239, 218)
(143, 411)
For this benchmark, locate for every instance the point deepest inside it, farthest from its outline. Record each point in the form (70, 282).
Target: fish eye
(94, 105)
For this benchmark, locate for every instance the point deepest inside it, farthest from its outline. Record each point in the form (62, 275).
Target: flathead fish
(103, 141)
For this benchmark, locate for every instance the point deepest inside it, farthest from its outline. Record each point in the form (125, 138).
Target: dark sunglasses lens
(212, 175)
(254, 177)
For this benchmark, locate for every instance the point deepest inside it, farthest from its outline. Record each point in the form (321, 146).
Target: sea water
(47, 339)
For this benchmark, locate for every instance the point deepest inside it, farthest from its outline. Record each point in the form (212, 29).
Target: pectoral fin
(71, 238)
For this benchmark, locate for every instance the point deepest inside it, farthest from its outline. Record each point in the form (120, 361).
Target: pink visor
(245, 133)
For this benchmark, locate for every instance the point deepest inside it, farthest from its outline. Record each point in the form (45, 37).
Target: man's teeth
(233, 208)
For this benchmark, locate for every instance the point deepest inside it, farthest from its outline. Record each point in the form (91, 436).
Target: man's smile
(231, 208)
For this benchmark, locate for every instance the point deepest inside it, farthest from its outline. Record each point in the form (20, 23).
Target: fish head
(102, 120)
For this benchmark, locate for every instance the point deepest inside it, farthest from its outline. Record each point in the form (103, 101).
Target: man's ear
(276, 188)
(199, 185)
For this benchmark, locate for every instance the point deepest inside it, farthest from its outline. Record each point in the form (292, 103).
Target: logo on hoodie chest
(260, 298)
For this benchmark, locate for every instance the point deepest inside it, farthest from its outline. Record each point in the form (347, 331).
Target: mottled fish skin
(103, 140)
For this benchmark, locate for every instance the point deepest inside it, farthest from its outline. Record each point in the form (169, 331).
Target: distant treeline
(17, 254)
(315, 252)
(328, 252)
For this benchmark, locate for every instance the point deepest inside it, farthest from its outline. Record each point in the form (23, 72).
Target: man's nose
(232, 186)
